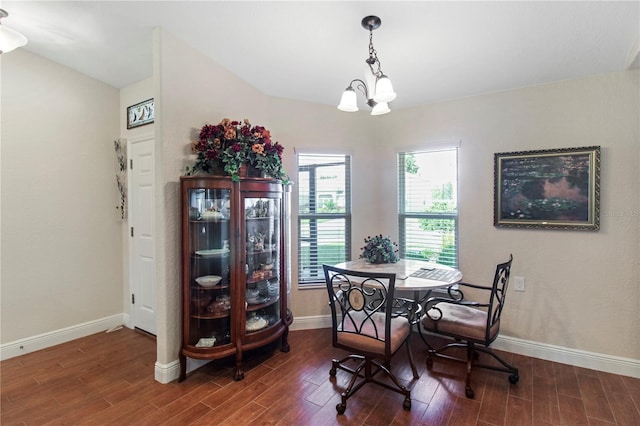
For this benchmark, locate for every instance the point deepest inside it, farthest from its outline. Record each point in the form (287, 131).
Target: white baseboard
(63, 335)
(595, 361)
(592, 360)
(311, 322)
(165, 373)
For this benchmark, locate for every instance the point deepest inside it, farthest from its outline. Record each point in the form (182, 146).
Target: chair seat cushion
(463, 321)
(368, 339)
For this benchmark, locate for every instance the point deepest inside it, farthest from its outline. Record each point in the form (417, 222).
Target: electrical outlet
(518, 283)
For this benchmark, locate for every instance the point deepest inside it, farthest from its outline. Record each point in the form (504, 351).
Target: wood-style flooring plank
(594, 398)
(108, 379)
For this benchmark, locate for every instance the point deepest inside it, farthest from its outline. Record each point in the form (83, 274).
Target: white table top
(403, 270)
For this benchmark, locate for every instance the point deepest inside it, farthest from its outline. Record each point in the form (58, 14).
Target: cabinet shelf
(258, 306)
(217, 287)
(201, 221)
(210, 316)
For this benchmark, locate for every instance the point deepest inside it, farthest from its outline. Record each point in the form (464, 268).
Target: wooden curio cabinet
(235, 267)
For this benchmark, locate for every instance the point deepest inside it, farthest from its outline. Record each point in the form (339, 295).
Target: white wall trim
(56, 337)
(311, 322)
(166, 373)
(595, 361)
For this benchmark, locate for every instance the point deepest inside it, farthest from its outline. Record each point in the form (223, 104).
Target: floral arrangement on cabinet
(229, 145)
(379, 249)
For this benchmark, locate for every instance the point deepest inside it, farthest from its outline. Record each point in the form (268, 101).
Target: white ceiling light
(382, 92)
(9, 39)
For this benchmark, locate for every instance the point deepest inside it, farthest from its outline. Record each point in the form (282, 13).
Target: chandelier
(9, 39)
(382, 92)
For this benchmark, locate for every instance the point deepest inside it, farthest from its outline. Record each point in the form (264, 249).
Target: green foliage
(442, 203)
(379, 249)
(410, 165)
(329, 206)
(327, 253)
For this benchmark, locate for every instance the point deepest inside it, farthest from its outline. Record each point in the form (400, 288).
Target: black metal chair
(472, 325)
(371, 324)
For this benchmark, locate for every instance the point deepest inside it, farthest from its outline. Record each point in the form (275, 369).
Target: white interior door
(141, 204)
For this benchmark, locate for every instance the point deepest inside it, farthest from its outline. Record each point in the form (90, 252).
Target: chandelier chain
(373, 57)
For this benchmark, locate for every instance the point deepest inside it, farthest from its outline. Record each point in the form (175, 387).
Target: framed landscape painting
(554, 189)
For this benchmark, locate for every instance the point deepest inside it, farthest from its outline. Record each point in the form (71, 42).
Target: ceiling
(432, 51)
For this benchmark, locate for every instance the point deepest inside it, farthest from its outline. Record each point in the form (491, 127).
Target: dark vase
(252, 171)
(217, 169)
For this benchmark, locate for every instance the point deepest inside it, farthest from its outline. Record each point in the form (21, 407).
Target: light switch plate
(518, 283)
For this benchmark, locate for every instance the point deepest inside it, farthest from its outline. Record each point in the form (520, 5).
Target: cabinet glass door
(262, 243)
(210, 295)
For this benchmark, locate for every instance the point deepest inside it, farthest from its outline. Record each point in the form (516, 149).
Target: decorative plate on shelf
(206, 342)
(212, 252)
(257, 300)
(208, 280)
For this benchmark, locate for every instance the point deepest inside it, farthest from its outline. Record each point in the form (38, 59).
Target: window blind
(324, 214)
(428, 205)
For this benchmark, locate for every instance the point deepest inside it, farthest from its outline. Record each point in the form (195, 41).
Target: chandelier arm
(360, 86)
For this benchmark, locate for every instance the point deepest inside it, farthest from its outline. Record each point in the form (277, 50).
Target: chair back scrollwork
(361, 303)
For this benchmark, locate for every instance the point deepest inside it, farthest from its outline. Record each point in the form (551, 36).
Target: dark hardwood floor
(107, 378)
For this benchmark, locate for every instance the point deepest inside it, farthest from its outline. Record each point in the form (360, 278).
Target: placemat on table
(435, 274)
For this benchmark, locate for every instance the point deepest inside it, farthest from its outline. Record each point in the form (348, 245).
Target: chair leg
(399, 387)
(337, 363)
(470, 357)
(413, 366)
(513, 377)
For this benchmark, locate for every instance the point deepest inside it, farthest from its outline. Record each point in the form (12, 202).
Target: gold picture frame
(550, 189)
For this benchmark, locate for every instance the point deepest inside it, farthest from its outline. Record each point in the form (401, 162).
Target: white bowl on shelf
(208, 280)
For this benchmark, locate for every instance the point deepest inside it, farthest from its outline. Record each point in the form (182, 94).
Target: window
(428, 206)
(324, 214)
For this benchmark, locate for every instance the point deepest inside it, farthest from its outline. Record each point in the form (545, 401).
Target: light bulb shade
(10, 39)
(380, 108)
(384, 90)
(349, 101)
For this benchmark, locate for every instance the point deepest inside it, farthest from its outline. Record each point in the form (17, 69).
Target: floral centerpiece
(379, 249)
(231, 144)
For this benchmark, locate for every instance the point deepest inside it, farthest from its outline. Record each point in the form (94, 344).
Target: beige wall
(565, 271)
(61, 241)
(579, 284)
(582, 288)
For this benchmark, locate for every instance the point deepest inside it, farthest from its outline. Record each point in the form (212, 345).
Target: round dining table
(411, 275)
